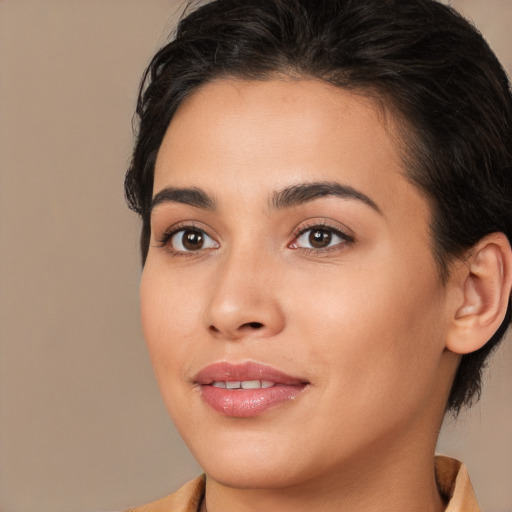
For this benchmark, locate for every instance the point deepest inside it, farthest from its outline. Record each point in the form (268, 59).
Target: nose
(244, 299)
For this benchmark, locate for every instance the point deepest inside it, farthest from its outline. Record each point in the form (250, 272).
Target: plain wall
(82, 427)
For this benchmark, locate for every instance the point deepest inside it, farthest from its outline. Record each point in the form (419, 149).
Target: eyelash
(346, 239)
(164, 239)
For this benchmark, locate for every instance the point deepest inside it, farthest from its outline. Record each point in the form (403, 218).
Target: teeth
(244, 384)
(251, 384)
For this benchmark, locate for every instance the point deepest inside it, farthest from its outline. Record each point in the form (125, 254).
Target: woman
(325, 195)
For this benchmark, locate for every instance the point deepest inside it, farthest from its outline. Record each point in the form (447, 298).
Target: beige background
(82, 427)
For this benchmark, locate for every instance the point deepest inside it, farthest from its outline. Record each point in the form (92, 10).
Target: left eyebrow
(306, 192)
(192, 196)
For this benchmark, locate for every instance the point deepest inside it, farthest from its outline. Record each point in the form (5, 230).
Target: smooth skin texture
(339, 290)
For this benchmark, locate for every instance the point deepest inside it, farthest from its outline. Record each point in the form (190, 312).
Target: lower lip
(245, 403)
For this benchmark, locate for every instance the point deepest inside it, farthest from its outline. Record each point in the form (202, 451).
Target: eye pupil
(192, 240)
(319, 238)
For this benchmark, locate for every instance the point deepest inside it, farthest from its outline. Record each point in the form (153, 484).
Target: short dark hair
(428, 66)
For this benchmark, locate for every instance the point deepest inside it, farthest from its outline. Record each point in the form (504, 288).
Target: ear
(484, 281)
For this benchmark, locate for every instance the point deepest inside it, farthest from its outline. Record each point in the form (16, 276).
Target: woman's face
(291, 261)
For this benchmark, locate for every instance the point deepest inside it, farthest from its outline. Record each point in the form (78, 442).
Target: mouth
(247, 389)
(244, 384)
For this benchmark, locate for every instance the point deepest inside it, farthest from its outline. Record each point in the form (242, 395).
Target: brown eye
(319, 238)
(190, 240)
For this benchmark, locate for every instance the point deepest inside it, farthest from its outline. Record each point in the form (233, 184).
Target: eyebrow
(192, 196)
(306, 192)
(293, 195)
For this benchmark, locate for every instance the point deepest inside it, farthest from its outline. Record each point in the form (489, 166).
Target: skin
(364, 320)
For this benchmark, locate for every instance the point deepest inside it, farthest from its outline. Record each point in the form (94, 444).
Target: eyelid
(345, 234)
(164, 239)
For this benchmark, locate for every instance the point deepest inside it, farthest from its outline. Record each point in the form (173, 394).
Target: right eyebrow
(192, 196)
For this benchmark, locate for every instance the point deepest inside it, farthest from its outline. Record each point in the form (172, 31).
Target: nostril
(254, 325)
(242, 329)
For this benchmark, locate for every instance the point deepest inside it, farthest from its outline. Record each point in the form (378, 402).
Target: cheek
(169, 316)
(377, 330)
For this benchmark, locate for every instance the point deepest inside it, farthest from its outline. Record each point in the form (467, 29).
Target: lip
(245, 403)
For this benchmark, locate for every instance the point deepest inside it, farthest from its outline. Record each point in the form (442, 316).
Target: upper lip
(225, 371)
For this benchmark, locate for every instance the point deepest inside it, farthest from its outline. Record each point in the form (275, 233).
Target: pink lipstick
(247, 389)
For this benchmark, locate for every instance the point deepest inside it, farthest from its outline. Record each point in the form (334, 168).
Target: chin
(247, 460)
(271, 475)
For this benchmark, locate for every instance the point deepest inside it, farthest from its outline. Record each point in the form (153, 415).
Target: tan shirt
(452, 479)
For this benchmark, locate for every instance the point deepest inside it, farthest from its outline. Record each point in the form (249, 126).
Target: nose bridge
(243, 300)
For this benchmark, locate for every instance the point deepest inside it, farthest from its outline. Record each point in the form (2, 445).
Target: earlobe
(485, 281)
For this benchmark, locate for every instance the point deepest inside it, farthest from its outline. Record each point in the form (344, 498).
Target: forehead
(240, 118)
(247, 137)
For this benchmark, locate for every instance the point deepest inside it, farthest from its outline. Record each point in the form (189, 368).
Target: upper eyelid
(168, 233)
(323, 224)
(165, 239)
(347, 237)
(336, 231)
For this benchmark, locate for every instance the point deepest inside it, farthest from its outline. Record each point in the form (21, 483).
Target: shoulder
(186, 499)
